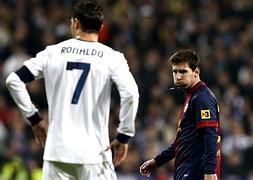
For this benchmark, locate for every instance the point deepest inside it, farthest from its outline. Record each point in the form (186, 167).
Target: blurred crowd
(147, 32)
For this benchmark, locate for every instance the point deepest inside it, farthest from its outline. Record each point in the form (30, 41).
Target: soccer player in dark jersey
(196, 148)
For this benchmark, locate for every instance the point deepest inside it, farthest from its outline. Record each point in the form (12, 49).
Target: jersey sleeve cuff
(122, 138)
(35, 118)
(209, 172)
(159, 160)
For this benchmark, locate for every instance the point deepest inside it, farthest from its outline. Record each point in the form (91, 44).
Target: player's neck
(188, 90)
(93, 37)
(195, 82)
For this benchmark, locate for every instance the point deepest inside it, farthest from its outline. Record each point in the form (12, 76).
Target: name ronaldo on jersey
(87, 52)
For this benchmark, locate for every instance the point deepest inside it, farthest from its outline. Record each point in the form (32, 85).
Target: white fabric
(78, 133)
(64, 171)
(20, 95)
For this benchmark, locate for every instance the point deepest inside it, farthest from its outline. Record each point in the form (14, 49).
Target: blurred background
(147, 32)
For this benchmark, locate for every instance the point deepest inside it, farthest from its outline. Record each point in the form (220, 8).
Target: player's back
(78, 80)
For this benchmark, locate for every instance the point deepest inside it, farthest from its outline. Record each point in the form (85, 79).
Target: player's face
(184, 76)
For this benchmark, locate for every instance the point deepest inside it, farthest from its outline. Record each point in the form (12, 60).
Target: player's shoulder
(204, 94)
(109, 50)
(53, 47)
(58, 48)
(113, 57)
(60, 44)
(110, 55)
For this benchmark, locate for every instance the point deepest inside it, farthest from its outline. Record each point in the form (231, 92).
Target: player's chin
(181, 85)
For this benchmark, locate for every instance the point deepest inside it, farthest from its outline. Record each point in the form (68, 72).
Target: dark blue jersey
(195, 148)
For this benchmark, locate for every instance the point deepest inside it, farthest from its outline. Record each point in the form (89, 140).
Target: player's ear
(71, 21)
(197, 71)
(77, 23)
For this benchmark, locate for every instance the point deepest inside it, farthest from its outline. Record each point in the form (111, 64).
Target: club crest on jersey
(205, 114)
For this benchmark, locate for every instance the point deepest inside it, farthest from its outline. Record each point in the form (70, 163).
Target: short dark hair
(185, 56)
(90, 15)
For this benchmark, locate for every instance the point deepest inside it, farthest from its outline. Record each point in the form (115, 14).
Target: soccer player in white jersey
(78, 74)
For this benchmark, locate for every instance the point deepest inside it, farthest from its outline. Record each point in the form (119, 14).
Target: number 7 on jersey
(82, 66)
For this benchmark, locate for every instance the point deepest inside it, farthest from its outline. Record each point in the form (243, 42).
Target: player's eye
(182, 71)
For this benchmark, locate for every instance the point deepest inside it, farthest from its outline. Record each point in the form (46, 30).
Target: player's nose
(178, 76)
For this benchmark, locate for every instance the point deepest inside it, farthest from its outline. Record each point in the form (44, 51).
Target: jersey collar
(197, 86)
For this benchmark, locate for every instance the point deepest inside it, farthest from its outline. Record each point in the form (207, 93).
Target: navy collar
(197, 86)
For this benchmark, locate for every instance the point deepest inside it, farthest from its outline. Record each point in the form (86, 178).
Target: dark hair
(90, 15)
(185, 56)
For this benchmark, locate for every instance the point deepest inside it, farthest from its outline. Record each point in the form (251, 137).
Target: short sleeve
(206, 110)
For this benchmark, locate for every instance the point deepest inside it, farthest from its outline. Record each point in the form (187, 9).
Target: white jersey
(78, 76)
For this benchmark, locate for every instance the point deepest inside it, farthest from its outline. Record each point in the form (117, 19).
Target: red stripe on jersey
(207, 124)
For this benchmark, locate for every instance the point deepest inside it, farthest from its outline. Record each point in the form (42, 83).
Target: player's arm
(165, 156)
(207, 123)
(16, 84)
(129, 99)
